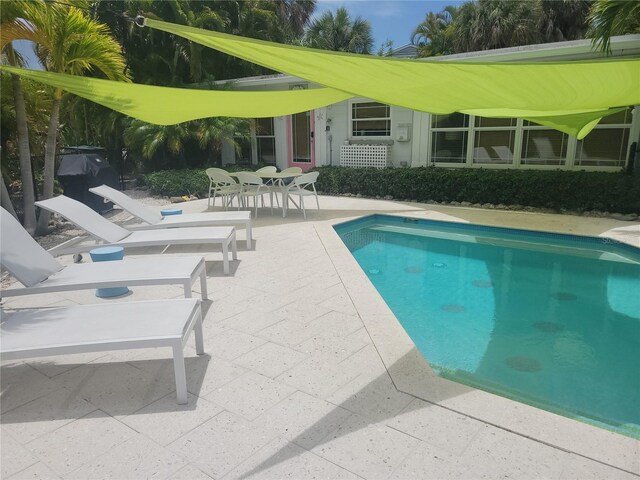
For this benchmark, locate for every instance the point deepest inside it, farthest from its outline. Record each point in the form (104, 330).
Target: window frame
(520, 129)
(369, 137)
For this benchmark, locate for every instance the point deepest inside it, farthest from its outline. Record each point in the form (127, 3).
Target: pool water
(546, 319)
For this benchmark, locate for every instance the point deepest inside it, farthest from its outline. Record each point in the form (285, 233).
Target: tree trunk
(49, 165)
(5, 200)
(26, 175)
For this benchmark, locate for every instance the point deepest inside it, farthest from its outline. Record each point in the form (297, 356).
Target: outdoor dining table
(277, 180)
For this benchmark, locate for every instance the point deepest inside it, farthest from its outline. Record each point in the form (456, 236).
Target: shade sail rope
(168, 106)
(568, 96)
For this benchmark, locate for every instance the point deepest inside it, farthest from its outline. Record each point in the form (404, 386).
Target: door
(301, 140)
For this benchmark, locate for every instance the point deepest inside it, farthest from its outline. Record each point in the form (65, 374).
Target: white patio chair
(39, 272)
(154, 220)
(221, 185)
(114, 235)
(28, 333)
(252, 186)
(302, 186)
(269, 169)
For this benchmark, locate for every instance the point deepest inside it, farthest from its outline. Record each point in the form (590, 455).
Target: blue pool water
(550, 320)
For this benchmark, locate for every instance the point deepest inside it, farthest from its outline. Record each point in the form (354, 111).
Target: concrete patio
(307, 375)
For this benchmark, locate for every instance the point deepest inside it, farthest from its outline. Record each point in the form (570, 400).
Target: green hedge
(557, 189)
(175, 183)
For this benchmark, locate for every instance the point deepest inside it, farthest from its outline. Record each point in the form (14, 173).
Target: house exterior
(362, 132)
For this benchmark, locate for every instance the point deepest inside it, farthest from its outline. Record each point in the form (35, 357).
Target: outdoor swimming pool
(547, 319)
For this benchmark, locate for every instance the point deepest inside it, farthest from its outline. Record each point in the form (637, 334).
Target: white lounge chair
(39, 272)
(156, 221)
(93, 328)
(114, 235)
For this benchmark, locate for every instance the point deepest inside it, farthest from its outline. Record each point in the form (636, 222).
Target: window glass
(544, 147)
(606, 145)
(623, 117)
(453, 120)
(243, 152)
(603, 147)
(264, 127)
(484, 122)
(494, 147)
(370, 119)
(449, 146)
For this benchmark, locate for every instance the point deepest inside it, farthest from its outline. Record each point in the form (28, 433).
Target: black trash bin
(79, 172)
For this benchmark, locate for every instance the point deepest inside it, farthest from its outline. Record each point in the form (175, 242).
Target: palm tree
(10, 13)
(612, 17)
(339, 33)
(295, 16)
(489, 24)
(211, 133)
(564, 19)
(433, 35)
(148, 139)
(67, 41)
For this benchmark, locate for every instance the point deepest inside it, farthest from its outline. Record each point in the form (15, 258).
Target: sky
(392, 20)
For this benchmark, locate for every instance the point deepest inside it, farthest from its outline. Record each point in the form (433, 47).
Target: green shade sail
(168, 106)
(568, 96)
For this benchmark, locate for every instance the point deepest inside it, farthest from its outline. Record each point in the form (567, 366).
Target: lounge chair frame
(42, 332)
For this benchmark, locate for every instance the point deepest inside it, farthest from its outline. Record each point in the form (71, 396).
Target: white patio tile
(599, 444)
(52, 366)
(437, 426)
(270, 359)
(340, 302)
(303, 419)
(334, 349)
(38, 471)
(44, 415)
(317, 377)
(251, 321)
(369, 450)
(281, 460)
(21, 384)
(376, 398)
(336, 324)
(301, 311)
(189, 473)
(230, 344)
(14, 457)
(287, 332)
(580, 468)
(164, 421)
(250, 395)
(80, 442)
(136, 458)
(514, 456)
(427, 461)
(221, 444)
(119, 388)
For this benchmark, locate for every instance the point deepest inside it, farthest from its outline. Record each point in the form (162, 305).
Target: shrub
(558, 189)
(175, 183)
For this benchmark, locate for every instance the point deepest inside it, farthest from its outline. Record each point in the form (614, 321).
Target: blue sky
(390, 19)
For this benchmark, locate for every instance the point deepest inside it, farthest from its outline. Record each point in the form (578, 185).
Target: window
(243, 151)
(449, 135)
(370, 119)
(265, 141)
(542, 145)
(607, 144)
(494, 140)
